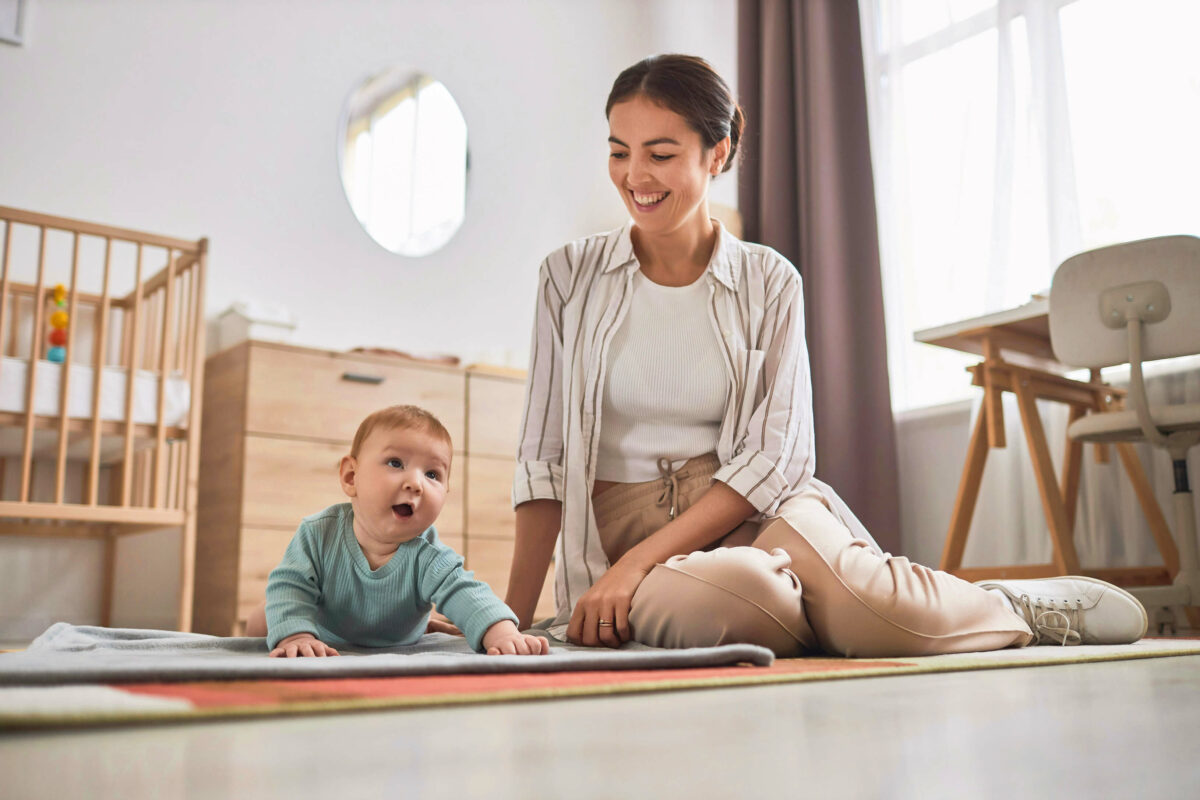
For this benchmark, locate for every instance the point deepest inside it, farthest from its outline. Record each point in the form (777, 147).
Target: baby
(367, 572)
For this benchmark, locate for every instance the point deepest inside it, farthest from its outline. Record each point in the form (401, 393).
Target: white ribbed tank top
(666, 388)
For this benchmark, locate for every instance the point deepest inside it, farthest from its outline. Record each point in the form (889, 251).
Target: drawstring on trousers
(670, 492)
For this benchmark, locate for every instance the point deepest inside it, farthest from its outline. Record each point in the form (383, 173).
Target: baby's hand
(503, 639)
(300, 645)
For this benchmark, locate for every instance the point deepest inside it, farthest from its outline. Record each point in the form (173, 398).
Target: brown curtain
(806, 189)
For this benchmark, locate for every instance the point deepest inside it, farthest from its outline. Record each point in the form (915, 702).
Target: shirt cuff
(478, 623)
(537, 480)
(754, 476)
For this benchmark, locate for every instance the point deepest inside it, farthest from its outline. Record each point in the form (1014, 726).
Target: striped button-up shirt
(765, 443)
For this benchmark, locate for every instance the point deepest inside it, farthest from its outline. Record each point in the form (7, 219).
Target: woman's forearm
(715, 513)
(538, 522)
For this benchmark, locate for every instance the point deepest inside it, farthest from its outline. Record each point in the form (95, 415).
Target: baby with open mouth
(367, 573)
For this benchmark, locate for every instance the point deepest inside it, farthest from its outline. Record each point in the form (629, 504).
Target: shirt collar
(725, 264)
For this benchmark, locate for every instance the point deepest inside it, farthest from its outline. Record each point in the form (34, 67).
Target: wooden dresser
(277, 420)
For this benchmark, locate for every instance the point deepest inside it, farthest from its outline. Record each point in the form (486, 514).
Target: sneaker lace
(1053, 623)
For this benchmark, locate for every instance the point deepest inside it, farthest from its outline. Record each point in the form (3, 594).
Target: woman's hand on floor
(300, 645)
(608, 601)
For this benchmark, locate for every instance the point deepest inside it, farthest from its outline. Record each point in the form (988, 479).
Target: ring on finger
(607, 623)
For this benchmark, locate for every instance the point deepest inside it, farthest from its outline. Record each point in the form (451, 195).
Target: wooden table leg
(1061, 534)
(968, 494)
(993, 396)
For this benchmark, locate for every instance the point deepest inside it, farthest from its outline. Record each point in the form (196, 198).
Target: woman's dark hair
(692, 89)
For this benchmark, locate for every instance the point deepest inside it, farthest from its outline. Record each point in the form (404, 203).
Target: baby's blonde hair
(411, 417)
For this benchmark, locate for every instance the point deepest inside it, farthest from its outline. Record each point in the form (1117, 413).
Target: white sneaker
(1075, 610)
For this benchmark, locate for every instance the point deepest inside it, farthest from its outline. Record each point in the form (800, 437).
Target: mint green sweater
(324, 586)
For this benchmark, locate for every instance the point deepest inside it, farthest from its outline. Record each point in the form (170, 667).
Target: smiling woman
(666, 455)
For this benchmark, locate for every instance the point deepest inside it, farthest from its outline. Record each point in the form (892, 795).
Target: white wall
(219, 119)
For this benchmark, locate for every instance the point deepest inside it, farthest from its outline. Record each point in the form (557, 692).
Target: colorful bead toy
(58, 324)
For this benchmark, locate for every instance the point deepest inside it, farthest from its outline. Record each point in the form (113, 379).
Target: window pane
(920, 18)
(1133, 88)
(944, 152)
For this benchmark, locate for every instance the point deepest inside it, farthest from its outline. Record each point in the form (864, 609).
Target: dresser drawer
(288, 479)
(285, 480)
(326, 395)
(494, 415)
(489, 492)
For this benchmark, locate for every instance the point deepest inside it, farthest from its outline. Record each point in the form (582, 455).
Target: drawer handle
(358, 377)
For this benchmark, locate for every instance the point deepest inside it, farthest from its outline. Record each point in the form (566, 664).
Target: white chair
(1130, 303)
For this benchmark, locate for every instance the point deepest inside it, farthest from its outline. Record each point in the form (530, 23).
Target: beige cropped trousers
(797, 582)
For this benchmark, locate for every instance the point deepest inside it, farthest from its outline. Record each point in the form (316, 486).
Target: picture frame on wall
(12, 21)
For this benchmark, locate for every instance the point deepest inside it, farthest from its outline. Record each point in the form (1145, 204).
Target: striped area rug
(134, 703)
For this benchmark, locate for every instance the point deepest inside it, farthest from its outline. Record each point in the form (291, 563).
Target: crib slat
(180, 472)
(195, 376)
(14, 325)
(130, 373)
(195, 322)
(92, 483)
(148, 309)
(185, 315)
(109, 577)
(165, 365)
(150, 345)
(31, 375)
(64, 385)
(184, 361)
(4, 299)
(126, 337)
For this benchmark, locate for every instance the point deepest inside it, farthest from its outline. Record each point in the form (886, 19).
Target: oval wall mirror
(403, 159)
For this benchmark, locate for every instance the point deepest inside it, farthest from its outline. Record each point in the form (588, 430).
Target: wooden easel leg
(1150, 507)
(968, 494)
(993, 397)
(1061, 534)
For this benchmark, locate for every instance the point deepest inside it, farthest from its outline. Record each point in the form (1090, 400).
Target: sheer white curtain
(1007, 135)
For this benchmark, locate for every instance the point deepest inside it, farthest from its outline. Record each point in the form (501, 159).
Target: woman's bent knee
(723, 596)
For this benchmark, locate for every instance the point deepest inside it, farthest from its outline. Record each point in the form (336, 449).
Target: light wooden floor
(1120, 729)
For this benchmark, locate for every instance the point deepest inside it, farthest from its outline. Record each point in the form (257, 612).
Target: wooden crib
(105, 443)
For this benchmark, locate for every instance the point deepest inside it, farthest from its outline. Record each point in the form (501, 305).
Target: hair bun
(736, 126)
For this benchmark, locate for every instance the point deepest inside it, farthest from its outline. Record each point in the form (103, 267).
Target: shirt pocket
(747, 368)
